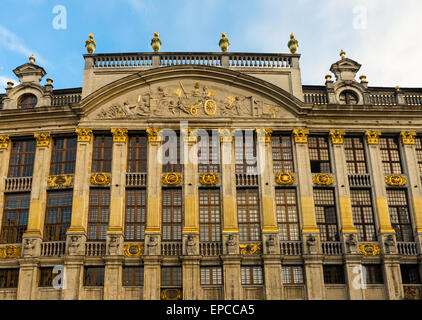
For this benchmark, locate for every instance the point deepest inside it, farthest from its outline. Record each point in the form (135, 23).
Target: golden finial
(328, 77)
(397, 88)
(32, 59)
(224, 43)
(49, 81)
(293, 44)
(343, 54)
(10, 84)
(90, 44)
(156, 42)
(362, 78)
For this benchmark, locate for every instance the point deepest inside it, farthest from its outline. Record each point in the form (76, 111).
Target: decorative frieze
(285, 178)
(369, 249)
(209, 178)
(10, 251)
(337, 136)
(43, 139)
(323, 179)
(133, 249)
(301, 135)
(264, 135)
(153, 134)
(60, 181)
(119, 135)
(100, 179)
(4, 142)
(372, 136)
(171, 178)
(250, 248)
(84, 135)
(395, 180)
(408, 137)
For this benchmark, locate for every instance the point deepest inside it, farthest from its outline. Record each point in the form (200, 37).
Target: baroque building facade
(209, 176)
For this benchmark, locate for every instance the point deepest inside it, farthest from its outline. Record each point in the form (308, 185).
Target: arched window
(27, 101)
(348, 97)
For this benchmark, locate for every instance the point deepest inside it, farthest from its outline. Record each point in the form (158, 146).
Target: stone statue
(271, 244)
(28, 247)
(113, 245)
(231, 244)
(152, 246)
(351, 243)
(190, 245)
(74, 245)
(311, 244)
(390, 245)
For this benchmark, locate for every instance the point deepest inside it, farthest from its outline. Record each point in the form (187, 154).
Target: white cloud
(3, 82)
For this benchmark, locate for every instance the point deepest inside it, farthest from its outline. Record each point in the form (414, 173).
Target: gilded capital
(43, 139)
(372, 136)
(84, 135)
(226, 135)
(119, 135)
(264, 135)
(189, 135)
(4, 142)
(301, 135)
(337, 136)
(153, 134)
(408, 137)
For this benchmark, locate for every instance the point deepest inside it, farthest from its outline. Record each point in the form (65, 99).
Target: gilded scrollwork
(133, 249)
(153, 134)
(100, 178)
(171, 178)
(209, 178)
(84, 134)
(43, 139)
(301, 135)
(323, 179)
(369, 249)
(285, 178)
(119, 135)
(10, 251)
(250, 248)
(337, 136)
(60, 181)
(408, 137)
(372, 136)
(396, 180)
(4, 142)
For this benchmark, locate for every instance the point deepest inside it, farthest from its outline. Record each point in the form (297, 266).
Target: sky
(382, 35)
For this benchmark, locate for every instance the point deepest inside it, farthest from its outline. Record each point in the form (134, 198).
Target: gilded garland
(10, 251)
(369, 249)
(133, 249)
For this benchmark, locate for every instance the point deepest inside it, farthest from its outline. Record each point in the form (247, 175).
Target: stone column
(232, 279)
(28, 275)
(392, 280)
(152, 268)
(353, 274)
(5, 150)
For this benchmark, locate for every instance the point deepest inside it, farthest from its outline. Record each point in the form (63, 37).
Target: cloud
(11, 41)
(3, 82)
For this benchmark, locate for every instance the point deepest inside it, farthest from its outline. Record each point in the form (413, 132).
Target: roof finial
(32, 59)
(224, 43)
(90, 44)
(156, 42)
(293, 44)
(343, 54)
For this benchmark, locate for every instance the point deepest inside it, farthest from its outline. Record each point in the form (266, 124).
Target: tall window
(326, 214)
(133, 276)
(136, 206)
(209, 152)
(363, 215)
(63, 156)
(334, 274)
(248, 215)
(292, 274)
(172, 153)
(211, 276)
(252, 275)
(245, 151)
(209, 215)
(171, 276)
(399, 214)
(172, 214)
(94, 276)
(137, 154)
(390, 155)
(22, 158)
(287, 215)
(99, 210)
(102, 153)
(15, 217)
(58, 215)
(373, 274)
(282, 153)
(355, 155)
(9, 278)
(45, 277)
(319, 154)
(418, 143)
(410, 274)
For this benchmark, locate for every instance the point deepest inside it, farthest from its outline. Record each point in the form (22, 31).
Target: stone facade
(145, 93)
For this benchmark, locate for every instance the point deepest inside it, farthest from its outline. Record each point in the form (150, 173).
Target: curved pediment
(189, 92)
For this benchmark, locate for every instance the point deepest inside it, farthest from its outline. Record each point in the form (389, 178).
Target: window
(418, 143)
(373, 273)
(133, 276)
(63, 156)
(248, 215)
(348, 97)
(287, 216)
(58, 215)
(252, 275)
(94, 276)
(326, 215)
(22, 158)
(171, 276)
(102, 153)
(172, 152)
(282, 153)
(363, 215)
(399, 214)
(9, 278)
(319, 154)
(15, 217)
(27, 101)
(209, 215)
(99, 209)
(245, 151)
(46, 277)
(355, 155)
(208, 152)
(334, 274)
(137, 154)
(390, 155)
(410, 274)
(136, 206)
(172, 214)
(292, 274)
(211, 276)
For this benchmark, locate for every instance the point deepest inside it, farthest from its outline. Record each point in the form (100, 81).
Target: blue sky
(382, 35)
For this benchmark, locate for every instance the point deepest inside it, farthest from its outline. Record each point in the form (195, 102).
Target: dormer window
(27, 101)
(348, 97)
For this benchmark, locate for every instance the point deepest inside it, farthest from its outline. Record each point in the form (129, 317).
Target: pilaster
(28, 274)
(314, 277)
(113, 277)
(5, 150)
(73, 275)
(232, 278)
(272, 277)
(191, 278)
(152, 278)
